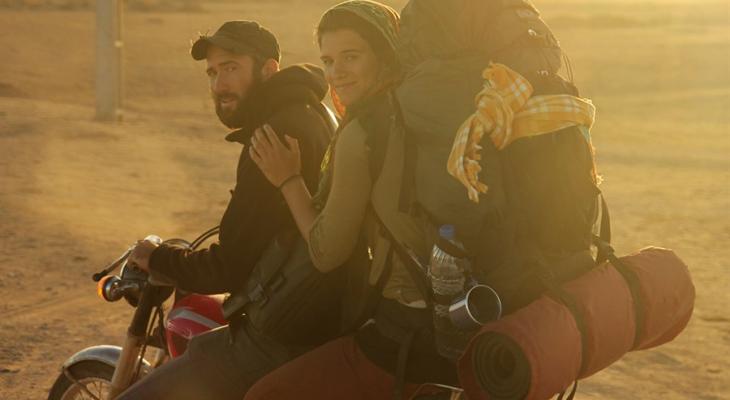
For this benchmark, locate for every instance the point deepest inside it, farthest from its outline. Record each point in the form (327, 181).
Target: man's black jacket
(289, 101)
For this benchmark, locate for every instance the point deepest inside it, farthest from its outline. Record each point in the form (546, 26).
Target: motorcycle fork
(136, 336)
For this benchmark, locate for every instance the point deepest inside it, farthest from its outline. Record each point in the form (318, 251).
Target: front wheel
(93, 382)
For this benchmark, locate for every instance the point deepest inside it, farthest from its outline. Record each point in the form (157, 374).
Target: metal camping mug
(481, 304)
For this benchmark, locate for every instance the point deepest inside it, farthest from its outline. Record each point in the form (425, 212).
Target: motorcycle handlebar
(157, 240)
(114, 264)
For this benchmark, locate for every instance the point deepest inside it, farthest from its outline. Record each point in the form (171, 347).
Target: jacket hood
(301, 83)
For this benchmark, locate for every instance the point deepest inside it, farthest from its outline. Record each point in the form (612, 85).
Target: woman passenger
(357, 42)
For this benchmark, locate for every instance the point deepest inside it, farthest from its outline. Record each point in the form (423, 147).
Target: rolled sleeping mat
(667, 295)
(605, 303)
(539, 350)
(533, 353)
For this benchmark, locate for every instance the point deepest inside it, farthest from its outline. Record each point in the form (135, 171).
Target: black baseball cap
(240, 37)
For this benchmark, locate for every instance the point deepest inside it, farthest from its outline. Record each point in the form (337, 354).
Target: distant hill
(134, 5)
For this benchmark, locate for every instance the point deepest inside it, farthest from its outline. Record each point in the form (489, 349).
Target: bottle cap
(447, 232)
(154, 239)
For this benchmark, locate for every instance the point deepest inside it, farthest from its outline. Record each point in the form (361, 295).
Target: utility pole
(109, 73)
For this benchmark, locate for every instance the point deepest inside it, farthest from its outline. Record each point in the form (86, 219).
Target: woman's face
(350, 65)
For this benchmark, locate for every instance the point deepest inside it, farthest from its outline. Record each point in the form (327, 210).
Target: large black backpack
(533, 228)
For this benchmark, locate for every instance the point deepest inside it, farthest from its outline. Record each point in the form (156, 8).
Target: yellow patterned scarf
(506, 112)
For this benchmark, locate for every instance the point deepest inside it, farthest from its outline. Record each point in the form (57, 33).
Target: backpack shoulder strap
(329, 117)
(415, 267)
(377, 122)
(603, 240)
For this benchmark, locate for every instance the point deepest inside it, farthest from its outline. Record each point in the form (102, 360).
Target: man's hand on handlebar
(140, 256)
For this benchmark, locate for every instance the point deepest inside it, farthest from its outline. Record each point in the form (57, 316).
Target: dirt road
(74, 193)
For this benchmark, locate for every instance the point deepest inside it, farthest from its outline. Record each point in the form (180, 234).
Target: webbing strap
(233, 326)
(408, 179)
(607, 253)
(372, 298)
(632, 281)
(604, 234)
(400, 369)
(414, 267)
(561, 295)
(572, 305)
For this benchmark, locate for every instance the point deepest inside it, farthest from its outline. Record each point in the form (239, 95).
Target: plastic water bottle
(446, 272)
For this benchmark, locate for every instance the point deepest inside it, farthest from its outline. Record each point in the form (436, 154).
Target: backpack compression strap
(606, 253)
(413, 264)
(604, 237)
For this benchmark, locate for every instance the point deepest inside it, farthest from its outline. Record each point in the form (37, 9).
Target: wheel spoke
(88, 389)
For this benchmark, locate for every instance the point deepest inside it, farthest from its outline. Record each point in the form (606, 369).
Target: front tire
(95, 376)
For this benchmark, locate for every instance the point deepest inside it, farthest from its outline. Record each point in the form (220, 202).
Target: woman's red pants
(336, 370)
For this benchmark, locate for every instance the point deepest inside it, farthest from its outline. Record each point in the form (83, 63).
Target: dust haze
(74, 193)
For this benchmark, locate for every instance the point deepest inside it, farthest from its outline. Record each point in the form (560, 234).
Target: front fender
(106, 354)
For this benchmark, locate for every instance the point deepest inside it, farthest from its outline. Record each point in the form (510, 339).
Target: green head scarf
(386, 21)
(383, 22)
(384, 18)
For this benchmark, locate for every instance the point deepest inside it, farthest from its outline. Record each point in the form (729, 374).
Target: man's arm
(256, 213)
(203, 271)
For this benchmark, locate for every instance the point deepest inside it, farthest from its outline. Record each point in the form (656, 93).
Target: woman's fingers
(292, 143)
(262, 136)
(277, 159)
(272, 136)
(260, 143)
(254, 156)
(258, 137)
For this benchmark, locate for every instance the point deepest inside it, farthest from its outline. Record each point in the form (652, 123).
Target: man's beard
(232, 118)
(236, 117)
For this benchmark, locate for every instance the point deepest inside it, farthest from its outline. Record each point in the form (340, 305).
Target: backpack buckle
(258, 294)
(602, 246)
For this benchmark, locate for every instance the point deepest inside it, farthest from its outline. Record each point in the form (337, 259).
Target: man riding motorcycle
(249, 90)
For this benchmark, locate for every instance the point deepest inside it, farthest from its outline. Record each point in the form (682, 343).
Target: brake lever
(111, 267)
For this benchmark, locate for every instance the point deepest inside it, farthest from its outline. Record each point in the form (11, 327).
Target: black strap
(634, 287)
(418, 272)
(604, 252)
(387, 271)
(632, 281)
(572, 305)
(547, 277)
(607, 253)
(378, 124)
(414, 266)
(329, 118)
(392, 323)
(379, 286)
(233, 326)
(408, 179)
(605, 233)
(400, 369)
(267, 278)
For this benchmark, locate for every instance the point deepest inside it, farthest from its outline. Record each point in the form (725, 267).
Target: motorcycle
(104, 371)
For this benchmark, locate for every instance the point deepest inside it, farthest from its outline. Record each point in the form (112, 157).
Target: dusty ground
(74, 192)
